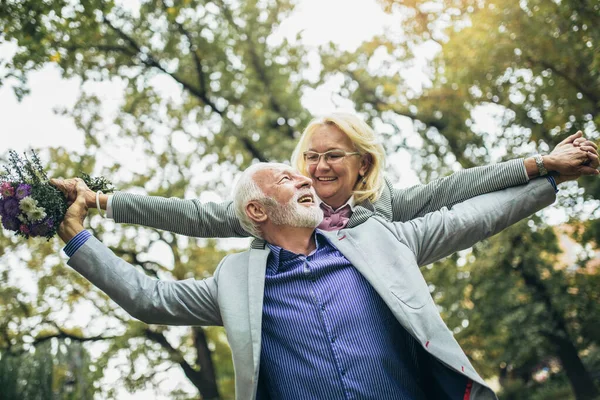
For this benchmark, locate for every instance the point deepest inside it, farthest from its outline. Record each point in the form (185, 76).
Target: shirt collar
(279, 255)
(351, 202)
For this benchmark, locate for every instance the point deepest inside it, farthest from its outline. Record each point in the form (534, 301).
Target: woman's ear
(256, 211)
(365, 164)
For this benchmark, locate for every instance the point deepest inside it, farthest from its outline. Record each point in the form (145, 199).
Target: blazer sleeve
(441, 233)
(419, 200)
(185, 217)
(187, 302)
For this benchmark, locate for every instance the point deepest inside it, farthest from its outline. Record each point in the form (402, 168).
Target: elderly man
(319, 315)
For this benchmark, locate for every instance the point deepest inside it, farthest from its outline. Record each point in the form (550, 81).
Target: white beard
(294, 214)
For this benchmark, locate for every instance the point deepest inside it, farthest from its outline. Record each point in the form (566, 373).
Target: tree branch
(193, 50)
(262, 74)
(580, 87)
(102, 47)
(61, 334)
(192, 374)
(77, 338)
(150, 61)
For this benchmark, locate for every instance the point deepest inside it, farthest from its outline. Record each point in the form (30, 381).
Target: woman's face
(334, 183)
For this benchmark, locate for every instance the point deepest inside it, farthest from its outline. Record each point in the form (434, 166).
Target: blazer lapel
(366, 209)
(256, 290)
(360, 214)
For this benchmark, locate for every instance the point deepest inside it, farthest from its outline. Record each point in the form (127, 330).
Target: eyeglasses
(330, 157)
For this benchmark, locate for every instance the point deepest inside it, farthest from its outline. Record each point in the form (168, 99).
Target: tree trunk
(208, 378)
(204, 376)
(579, 377)
(558, 334)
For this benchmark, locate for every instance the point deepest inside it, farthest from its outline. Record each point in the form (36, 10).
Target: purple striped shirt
(326, 333)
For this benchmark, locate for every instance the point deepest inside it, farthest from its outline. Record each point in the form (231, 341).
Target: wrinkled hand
(69, 189)
(587, 145)
(76, 213)
(573, 157)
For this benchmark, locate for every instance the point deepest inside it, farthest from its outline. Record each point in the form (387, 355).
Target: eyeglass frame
(346, 153)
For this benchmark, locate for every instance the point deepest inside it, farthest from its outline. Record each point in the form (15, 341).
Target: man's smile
(307, 199)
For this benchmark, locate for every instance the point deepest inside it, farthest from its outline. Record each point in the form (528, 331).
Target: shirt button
(323, 307)
(333, 339)
(343, 372)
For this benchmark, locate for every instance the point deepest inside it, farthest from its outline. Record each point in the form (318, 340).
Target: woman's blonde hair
(365, 141)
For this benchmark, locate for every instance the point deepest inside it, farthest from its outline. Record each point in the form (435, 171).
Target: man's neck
(296, 240)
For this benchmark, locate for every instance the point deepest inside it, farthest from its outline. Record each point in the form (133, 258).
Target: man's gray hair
(245, 191)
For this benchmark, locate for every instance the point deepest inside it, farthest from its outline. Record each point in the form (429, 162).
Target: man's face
(292, 197)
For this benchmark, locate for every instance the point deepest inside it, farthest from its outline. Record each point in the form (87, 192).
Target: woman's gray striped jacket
(212, 220)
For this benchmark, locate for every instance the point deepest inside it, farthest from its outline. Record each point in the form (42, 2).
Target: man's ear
(256, 211)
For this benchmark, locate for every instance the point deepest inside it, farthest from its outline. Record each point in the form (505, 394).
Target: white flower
(36, 214)
(28, 204)
(22, 218)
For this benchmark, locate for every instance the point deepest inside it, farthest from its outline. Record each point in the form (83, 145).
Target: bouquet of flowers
(29, 204)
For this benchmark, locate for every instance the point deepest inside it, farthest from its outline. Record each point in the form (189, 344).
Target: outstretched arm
(441, 233)
(153, 301)
(185, 217)
(568, 158)
(187, 302)
(419, 200)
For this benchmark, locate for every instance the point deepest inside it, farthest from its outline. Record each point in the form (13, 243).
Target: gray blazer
(387, 254)
(193, 218)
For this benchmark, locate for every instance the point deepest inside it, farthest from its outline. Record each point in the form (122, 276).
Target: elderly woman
(346, 161)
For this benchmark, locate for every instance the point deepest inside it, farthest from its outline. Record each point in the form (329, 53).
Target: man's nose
(303, 181)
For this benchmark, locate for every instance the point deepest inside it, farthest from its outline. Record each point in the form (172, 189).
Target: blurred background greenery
(524, 305)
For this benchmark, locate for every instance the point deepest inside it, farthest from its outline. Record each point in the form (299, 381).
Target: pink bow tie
(334, 220)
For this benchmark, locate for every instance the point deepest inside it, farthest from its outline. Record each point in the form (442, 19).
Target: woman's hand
(573, 157)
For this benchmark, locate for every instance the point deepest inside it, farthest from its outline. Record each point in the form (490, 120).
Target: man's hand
(573, 157)
(69, 189)
(76, 213)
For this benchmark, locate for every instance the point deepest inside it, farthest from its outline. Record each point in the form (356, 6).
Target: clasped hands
(573, 157)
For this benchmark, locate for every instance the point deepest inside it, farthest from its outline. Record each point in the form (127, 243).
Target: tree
(61, 373)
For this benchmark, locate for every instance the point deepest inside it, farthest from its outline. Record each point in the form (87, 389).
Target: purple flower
(40, 229)
(12, 224)
(23, 190)
(11, 207)
(2, 214)
(50, 223)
